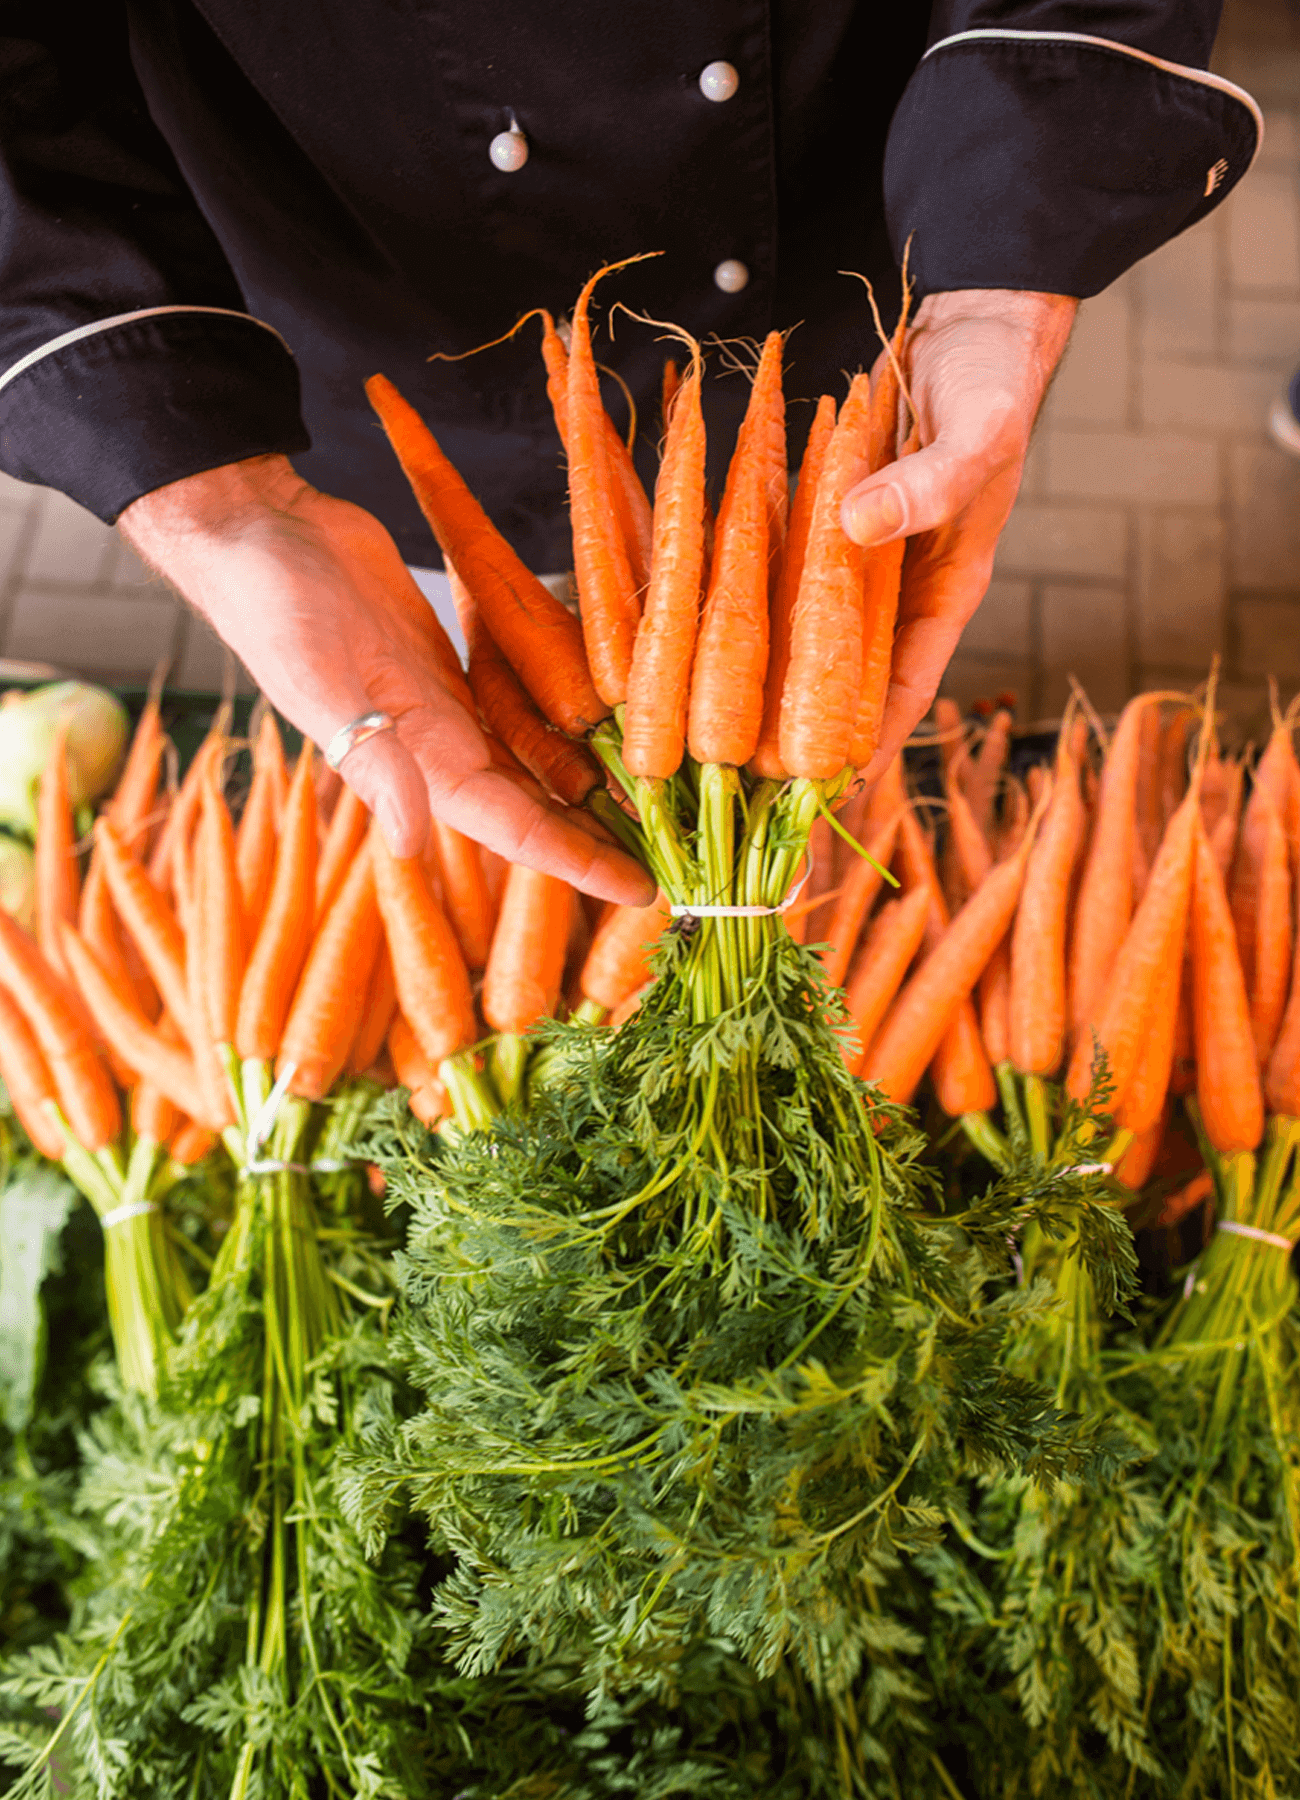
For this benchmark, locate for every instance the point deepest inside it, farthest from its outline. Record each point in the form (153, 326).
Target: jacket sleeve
(127, 356)
(1050, 144)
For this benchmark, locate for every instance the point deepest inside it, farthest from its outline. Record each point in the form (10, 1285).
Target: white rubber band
(262, 1124)
(1274, 1238)
(742, 912)
(269, 1166)
(1090, 1169)
(120, 1214)
(332, 1165)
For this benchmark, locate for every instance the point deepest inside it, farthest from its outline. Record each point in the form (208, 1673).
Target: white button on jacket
(731, 276)
(719, 81)
(509, 149)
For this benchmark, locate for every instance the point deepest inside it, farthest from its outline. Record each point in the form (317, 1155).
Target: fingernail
(873, 516)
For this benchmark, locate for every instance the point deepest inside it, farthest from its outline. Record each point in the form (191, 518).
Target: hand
(313, 596)
(979, 362)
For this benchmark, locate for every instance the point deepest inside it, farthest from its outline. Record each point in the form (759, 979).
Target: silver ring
(348, 736)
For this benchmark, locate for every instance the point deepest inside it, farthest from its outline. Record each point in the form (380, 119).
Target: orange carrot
(57, 874)
(967, 856)
(1104, 904)
(1037, 1010)
(985, 770)
(725, 707)
(1186, 1199)
(624, 1011)
(178, 827)
(541, 638)
(142, 1046)
(672, 381)
(1227, 1071)
(57, 1015)
(327, 1006)
(1138, 1004)
(1182, 1076)
(1150, 819)
(260, 822)
(153, 1115)
(220, 915)
(377, 1015)
(428, 1100)
(963, 1081)
(1273, 915)
(1172, 763)
(766, 760)
(286, 930)
(654, 726)
(995, 1004)
(134, 800)
(568, 769)
(630, 504)
(882, 584)
(819, 704)
(929, 1004)
(1222, 814)
(218, 1108)
(887, 952)
(149, 919)
(522, 981)
(617, 963)
(347, 830)
(1133, 1169)
(950, 736)
(1282, 1081)
(856, 897)
(191, 1143)
(607, 584)
(464, 892)
(433, 988)
(915, 861)
(28, 1081)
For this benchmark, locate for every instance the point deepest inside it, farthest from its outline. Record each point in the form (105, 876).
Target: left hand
(979, 364)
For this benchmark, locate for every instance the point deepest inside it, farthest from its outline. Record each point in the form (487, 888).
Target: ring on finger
(355, 732)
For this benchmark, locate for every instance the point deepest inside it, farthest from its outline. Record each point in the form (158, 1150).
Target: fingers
(383, 773)
(920, 492)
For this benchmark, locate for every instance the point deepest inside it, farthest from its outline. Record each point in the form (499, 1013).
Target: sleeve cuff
(1053, 161)
(120, 407)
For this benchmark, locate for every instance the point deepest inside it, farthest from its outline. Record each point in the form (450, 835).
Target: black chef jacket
(217, 217)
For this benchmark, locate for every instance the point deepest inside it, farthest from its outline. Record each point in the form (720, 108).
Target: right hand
(305, 589)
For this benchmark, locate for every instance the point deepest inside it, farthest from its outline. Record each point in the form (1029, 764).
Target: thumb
(383, 773)
(918, 492)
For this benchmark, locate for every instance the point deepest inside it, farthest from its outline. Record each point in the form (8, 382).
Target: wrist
(214, 504)
(1043, 320)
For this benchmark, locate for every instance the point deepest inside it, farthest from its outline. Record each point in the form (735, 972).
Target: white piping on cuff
(1202, 76)
(97, 325)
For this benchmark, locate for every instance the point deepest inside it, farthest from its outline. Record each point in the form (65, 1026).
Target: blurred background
(1157, 523)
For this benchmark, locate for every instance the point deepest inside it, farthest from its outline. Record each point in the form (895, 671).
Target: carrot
(887, 952)
(464, 892)
(985, 772)
(218, 1109)
(967, 856)
(630, 504)
(1227, 1071)
(995, 1004)
(654, 725)
(28, 1081)
(1273, 930)
(929, 1004)
(1186, 1199)
(882, 585)
(178, 827)
(135, 797)
(328, 1003)
(1150, 820)
(1133, 1019)
(1171, 773)
(57, 874)
(149, 919)
(1037, 1008)
(1222, 813)
(565, 767)
(347, 830)
(915, 861)
(57, 1015)
(153, 1115)
(284, 936)
(1282, 1080)
(950, 736)
(607, 584)
(672, 381)
(220, 915)
(1104, 904)
(191, 1143)
(1133, 1170)
(433, 988)
(1182, 1076)
(377, 1014)
(541, 638)
(856, 897)
(624, 1011)
(960, 1072)
(617, 964)
(725, 707)
(522, 981)
(1015, 819)
(428, 1100)
(255, 840)
(142, 1046)
(766, 760)
(819, 704)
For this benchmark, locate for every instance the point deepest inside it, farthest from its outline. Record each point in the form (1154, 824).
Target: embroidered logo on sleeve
(1214, 176)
